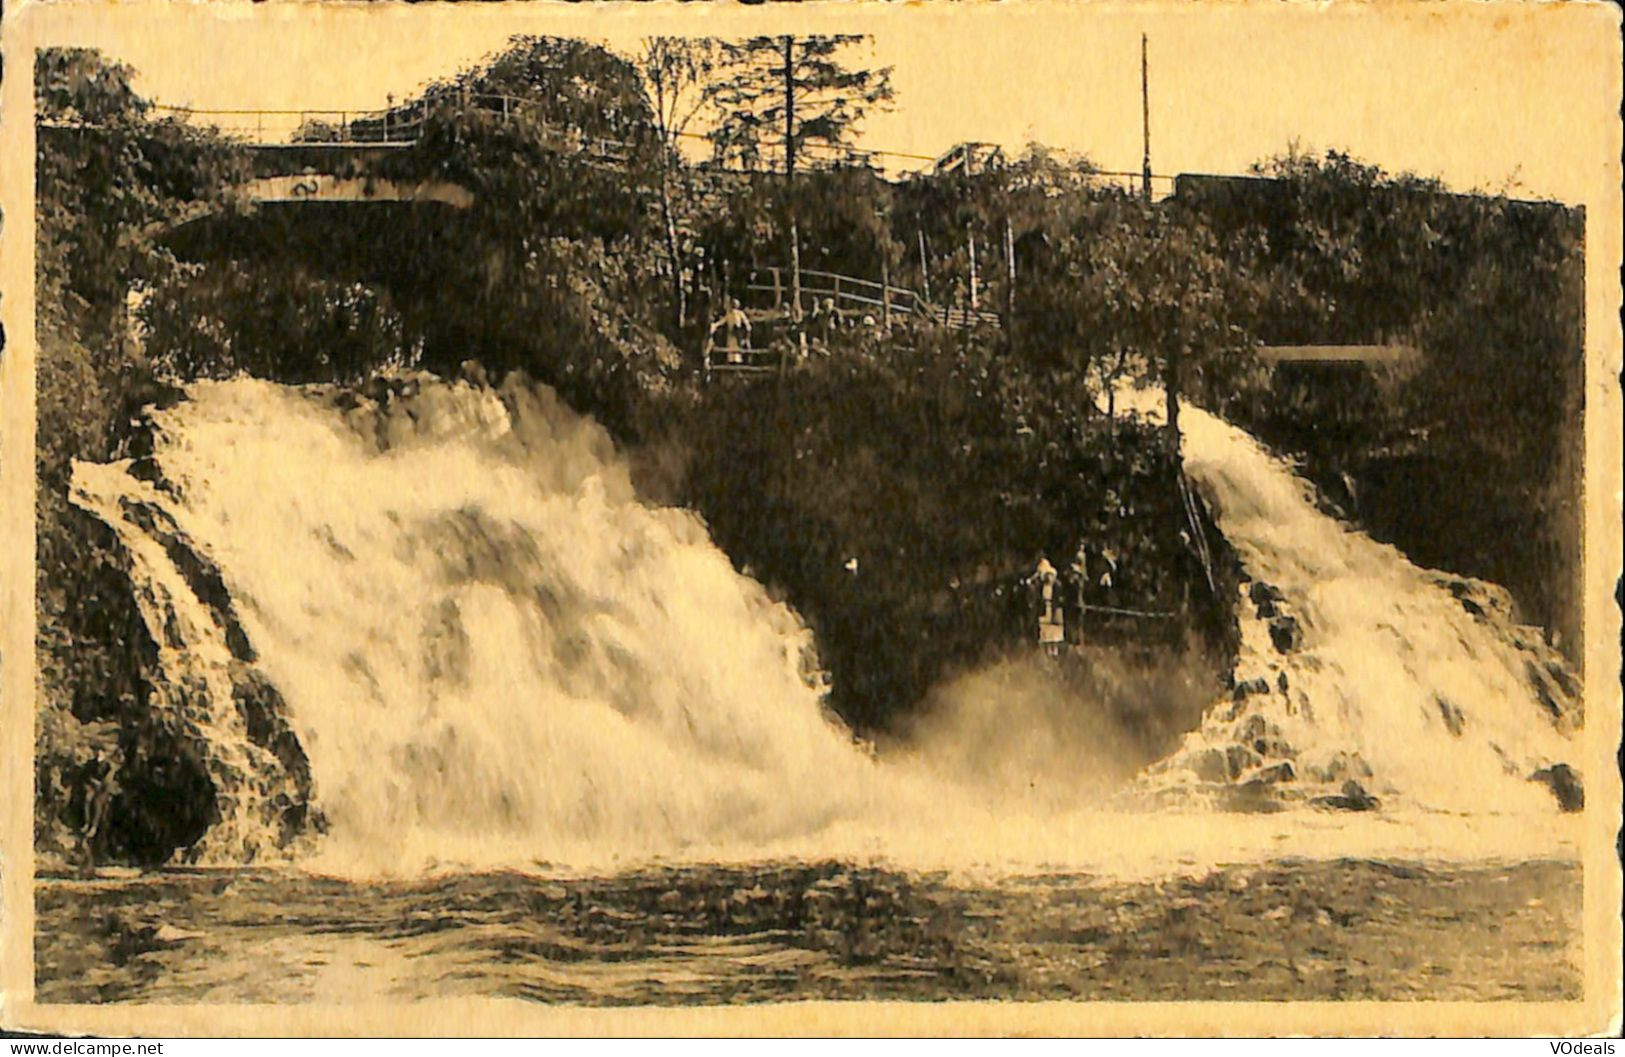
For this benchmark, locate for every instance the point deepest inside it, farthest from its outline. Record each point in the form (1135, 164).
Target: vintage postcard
(863, 518)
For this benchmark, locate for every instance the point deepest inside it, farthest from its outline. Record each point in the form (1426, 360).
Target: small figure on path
(1051, 621)
(734, 325)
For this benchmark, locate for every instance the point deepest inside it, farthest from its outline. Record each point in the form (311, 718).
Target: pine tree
(789, 92)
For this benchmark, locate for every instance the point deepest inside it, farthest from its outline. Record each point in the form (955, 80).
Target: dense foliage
(1468, 459)
(902, 503)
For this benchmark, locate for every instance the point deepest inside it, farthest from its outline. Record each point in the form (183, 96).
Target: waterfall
(433, 622)
(1357, 666)
(483, 640)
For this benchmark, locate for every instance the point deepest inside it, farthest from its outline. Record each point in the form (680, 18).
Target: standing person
(1108, 559)
(1079, 574)
(1051, 622)
(733, 324)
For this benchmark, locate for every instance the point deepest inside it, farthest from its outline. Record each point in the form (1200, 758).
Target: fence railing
(743, 360)
(391, 126)
(849, 294)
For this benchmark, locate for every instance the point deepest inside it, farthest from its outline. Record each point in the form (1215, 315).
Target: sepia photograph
(992, 509)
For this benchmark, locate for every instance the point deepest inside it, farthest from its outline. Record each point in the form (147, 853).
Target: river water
(563, 751)
(1295, 929)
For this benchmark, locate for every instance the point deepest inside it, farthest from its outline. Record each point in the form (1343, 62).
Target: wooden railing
(851, 295)
(743, 360)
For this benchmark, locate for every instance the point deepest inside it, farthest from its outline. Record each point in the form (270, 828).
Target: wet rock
(1551, 697)
(1278, 773)
(1353, 798)
(1237, 759)
(1453, 719)
(1252, 797)
(129, 936)
(1255, 727)
(1249, 687)
(1564, 782)
(1259, 592)
(200, 572)
(1564, 678)
(1286, 634)
(1272, 748)
(1341, 766)
(146, 468)
(1266, 599)
(1223, 765)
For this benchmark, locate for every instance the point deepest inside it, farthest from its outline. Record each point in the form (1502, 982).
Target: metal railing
(390, 126)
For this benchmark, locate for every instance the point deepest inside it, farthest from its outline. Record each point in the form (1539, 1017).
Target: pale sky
(1493, 96)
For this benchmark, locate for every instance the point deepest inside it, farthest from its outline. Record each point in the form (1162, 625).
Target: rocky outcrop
(1565, 785)
(204, 767)
(1243, 759)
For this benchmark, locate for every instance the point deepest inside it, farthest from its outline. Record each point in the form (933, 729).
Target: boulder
(1247, 688)
(1353, 798)
(1281, 772)
(1260, 592)
(1564, 782)
(1286, 634)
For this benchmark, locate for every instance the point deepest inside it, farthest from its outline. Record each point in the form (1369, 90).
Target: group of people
(1060, 594)
(819, 330)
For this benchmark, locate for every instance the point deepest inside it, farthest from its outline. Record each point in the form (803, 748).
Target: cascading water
(1358, 667)
(483, 640)
(438, 619)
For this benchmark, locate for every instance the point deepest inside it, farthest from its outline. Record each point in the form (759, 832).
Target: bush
(226, 318)
(900, 503)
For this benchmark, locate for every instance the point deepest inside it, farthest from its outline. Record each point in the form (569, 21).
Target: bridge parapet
(322, 187)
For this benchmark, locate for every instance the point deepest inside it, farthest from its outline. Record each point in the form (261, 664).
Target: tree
(1490, 291)
(107, 177)
(792, 91)
(1130, 289)
(679, 81)
(108, 174)
(1011, 209)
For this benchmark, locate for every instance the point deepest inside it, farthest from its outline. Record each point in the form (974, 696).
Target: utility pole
(925, 272)
(1145, 121)
(970, 233)
(1172, 354)
(789, 175)
(1009, 283)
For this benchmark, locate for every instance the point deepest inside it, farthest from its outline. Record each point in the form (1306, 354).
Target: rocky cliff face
(204, 765)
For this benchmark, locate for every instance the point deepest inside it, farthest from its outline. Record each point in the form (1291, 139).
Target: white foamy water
(1417, 684)
(486, 643)
(492, 652)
